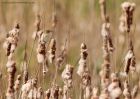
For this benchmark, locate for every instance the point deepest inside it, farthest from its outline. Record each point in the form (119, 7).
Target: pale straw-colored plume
(17, 83)
(66, 94)
(61, 84)
(134, 91)
(11, 69)
(67, 75)
(105, 94)
(133, 59)
(122, 25)
(47, 94)
(41, 48)
(33, 92)
(25, 67)
(67, 79)
(127, 91)
(25, 89)
(40, 93)
(114, 87)
(107, 46)
(126, 19)
(86, 85)
(95, 93)
(106, 35)
(105, 74)
(105, 71)
(83, 72)
(54, 20)
(82, 62)
(107, 40)
(129, 61)
(107, 49)
(103, 10)
(29, 90)
(54, 92)
(88, 92)
(11, 40)
(52, 50)
(41, 36)
(41, 52)
(10, 46)
(25, 72)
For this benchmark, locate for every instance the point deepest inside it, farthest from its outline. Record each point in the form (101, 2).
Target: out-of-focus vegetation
(81, 18)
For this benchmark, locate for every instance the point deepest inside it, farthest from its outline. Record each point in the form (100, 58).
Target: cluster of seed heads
(110, 83)
(111, 88)
(25, 89)
(54, 92)
(30, 90)
(125, 26)
(107, 48)
(10, 46)
(41, 35)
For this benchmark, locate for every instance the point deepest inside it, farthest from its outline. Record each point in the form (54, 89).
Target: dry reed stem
(10, 46)
(67, 79)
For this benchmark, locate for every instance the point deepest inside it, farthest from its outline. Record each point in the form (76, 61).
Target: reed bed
(56, 77)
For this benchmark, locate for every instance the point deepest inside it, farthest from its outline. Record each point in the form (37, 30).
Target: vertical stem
(81, 92)
(55, 76)
(103, 9)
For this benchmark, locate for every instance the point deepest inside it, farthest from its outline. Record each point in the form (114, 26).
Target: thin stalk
(81, 92)
(28, 63)
(56, 73)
